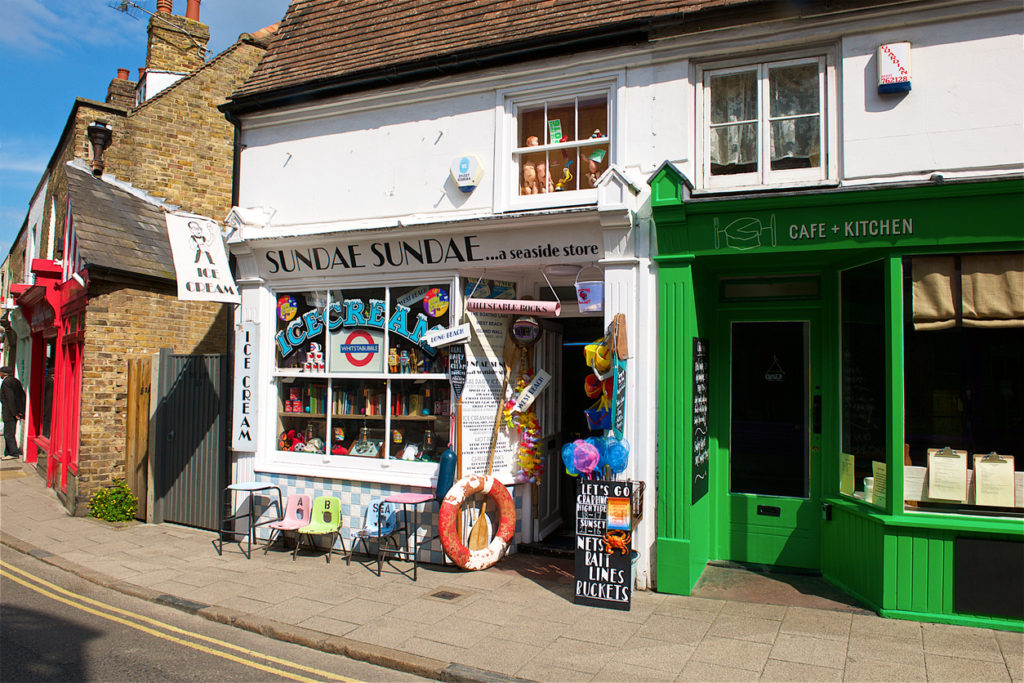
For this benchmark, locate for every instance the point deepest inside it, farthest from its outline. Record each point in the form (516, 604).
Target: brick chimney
(176, 44)
(121, 91)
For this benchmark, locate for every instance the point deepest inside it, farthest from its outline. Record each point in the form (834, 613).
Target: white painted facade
(375, 165)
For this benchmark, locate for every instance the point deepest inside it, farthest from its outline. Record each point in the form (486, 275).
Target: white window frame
(826, 173)
(324, 465)
(506, 152)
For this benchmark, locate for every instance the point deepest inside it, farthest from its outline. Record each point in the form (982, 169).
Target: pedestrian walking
(12, 409)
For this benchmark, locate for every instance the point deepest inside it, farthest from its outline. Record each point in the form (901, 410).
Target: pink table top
(409, 498)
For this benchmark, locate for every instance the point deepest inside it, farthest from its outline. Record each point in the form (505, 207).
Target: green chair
(325, 520)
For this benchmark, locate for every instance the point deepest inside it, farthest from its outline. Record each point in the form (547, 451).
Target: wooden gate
(136, 451)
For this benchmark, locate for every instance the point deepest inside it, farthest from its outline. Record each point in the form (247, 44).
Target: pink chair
(296, 516)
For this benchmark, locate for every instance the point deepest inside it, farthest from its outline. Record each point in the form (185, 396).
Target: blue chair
(379, 524)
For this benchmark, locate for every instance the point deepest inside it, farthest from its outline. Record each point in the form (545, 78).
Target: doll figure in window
(595, 166)
(403, 362)
(535, 171)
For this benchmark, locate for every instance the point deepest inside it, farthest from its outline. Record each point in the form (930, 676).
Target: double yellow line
(245, 656)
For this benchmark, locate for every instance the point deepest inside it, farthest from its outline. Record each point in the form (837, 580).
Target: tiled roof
(329, 40)
(116, 229)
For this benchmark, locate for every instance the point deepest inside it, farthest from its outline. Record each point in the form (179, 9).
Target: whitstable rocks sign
(569, 244)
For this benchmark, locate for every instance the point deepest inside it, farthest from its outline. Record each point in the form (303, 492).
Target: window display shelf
(285, 413)
(346, 416)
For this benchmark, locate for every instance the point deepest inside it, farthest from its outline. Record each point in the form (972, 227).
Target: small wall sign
(894, 68)
(448, 335)
(467, 171)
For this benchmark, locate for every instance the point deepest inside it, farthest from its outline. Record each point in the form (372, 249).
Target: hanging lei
(531, 466)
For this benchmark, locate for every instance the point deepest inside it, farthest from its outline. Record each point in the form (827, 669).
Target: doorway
(560, 411)
(770, 442)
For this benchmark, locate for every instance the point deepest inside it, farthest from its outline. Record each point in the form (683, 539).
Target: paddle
(479, 535)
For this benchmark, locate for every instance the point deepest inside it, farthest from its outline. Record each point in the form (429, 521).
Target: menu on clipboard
(947, 474)
(880, 483)
(993, 480)
(847, 463)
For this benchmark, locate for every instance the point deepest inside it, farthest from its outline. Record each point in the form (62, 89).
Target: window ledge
(375, 470)
(752, 189)
(927, 520)
(552, 200)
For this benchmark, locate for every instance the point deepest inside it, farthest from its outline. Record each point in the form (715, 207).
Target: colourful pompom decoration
(585, 456)
(568, 450)
(616, 454)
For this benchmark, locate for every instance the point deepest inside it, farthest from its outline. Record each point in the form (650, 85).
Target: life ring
(450, 509)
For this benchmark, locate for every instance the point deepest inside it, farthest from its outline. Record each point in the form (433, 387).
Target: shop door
(548, 357)
(771, 509)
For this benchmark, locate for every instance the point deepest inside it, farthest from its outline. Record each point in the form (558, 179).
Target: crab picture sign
(603, 576)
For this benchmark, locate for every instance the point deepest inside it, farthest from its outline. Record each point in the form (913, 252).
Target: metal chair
(325, 521)
(296, 515)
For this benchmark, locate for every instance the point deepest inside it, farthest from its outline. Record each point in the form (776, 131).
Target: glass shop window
(562, 145)
(863, 427)
(355, 377)
(764, 123)
(964, 383)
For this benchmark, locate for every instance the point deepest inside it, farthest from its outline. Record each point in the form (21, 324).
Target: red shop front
(56, 314)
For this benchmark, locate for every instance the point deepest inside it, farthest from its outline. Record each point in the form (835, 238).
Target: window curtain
(734, 98)
(973, 290)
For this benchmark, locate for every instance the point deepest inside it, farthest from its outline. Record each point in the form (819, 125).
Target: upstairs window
(765, 124)
(560, 147)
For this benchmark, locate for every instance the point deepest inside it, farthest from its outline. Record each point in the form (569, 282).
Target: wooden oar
(479, 536)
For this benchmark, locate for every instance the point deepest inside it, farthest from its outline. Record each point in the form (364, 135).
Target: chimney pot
(142, 72)
(192, 10)
(122, 74)
(165, 6)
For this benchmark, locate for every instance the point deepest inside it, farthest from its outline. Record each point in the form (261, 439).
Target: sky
(52, 51)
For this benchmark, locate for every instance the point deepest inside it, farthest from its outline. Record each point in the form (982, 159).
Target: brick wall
(76, 145)
(176, 43)
(122, 321)
(121, 92)
(182, 145)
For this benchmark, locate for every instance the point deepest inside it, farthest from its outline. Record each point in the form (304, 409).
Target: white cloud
(36, 166)
(41, 28)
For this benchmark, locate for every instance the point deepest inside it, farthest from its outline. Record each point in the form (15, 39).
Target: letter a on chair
(326, 521)
(296, 515)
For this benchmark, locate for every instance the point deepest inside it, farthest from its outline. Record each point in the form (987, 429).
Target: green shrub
(114, 504)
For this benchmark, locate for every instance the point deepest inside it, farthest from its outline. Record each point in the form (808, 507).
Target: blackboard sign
(457, 368)
(619, 400)
(603, 544)
(700, 419)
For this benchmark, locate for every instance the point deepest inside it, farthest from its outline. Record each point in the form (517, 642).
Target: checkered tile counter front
(356, 497)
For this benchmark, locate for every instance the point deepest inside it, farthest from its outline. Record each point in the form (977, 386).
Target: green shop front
(841, 390)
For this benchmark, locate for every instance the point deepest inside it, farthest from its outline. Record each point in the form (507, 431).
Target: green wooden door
(770, 443)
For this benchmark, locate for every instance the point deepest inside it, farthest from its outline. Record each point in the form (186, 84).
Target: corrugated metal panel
(190, 440)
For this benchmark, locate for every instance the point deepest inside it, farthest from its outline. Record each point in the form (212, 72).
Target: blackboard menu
(700, 419)
(603, 544)
(457, 369)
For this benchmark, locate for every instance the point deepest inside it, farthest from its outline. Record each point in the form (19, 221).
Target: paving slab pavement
(513, 621)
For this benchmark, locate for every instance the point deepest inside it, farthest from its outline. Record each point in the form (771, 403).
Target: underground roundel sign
(357, 350)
